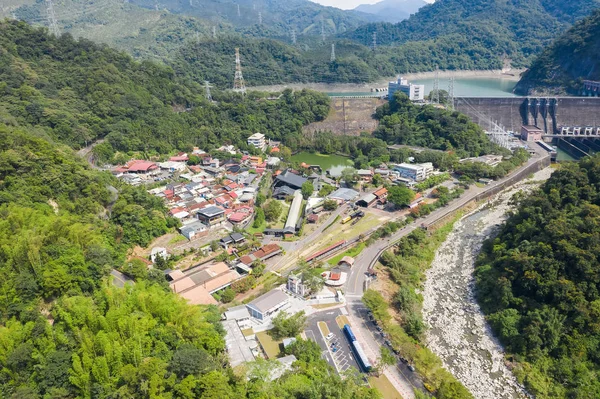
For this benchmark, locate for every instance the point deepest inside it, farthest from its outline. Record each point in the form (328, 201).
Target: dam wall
(548, 113)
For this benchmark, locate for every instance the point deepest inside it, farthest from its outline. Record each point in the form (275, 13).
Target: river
(458, 332)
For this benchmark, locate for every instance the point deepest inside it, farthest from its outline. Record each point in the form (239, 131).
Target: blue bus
(361, 357)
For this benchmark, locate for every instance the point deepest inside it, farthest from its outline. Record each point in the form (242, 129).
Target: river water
(458, 332)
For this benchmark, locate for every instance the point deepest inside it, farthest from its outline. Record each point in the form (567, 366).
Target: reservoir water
(463, 87)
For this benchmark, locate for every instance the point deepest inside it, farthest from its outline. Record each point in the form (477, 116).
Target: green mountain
(485, 32)
(539, 284)
(392, 10)
(562, 67)
(279, 16)
(85, 92)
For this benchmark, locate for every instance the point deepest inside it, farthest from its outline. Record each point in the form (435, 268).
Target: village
(260, 236)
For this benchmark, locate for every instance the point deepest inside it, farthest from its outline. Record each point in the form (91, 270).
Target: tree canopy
(539, 283)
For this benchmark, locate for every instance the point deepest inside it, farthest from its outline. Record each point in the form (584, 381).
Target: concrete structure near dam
(556, 116)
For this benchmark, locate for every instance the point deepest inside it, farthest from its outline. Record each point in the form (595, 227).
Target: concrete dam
(551, 114)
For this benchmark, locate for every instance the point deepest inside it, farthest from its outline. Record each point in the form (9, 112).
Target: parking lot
(336, 350)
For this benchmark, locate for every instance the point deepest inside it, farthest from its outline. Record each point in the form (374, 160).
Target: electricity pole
(239, 86)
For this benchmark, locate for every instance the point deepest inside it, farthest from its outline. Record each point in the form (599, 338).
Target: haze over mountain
(572, 58)
(392, 10)
(517, 30)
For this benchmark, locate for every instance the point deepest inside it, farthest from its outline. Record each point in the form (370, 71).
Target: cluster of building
(213, 193)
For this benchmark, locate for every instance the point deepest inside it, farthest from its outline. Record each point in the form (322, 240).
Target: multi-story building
(295, 285)
(257, 140)
(414, 92)
(416, 172)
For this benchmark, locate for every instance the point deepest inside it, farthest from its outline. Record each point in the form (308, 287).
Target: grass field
(324, 329)
(383, 385)
(271, 347)
(354, 251)
(341, 321)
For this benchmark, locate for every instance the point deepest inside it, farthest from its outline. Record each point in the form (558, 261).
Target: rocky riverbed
(458, 332)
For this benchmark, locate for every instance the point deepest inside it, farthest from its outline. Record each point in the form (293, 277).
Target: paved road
(355, 285)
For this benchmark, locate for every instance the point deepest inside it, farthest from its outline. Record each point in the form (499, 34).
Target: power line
(207, 87)
(52, 23)
(436, 86)
(239, 86)
(451, 93)
(332, 52)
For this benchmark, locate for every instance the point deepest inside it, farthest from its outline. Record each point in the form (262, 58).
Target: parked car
(411, 367)
(329, 336)
(388, 343)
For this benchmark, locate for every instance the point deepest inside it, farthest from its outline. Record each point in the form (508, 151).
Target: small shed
(346, 261)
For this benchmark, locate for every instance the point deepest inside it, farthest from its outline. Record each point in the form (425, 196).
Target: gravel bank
(458, 332)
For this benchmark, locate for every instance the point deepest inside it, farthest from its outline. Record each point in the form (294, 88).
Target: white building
(414, 92)
(258, 140)
(295, 285)
(158, 251)
(416, 171)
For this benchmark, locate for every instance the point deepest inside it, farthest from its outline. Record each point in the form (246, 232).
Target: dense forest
(538, 282)
(487, 31)
(562, 67)
(402, 122)
(84, 92)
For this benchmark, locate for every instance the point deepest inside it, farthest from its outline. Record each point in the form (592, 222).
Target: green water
(335, 162)
(463, 87)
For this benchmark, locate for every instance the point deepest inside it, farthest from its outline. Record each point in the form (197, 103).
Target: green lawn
(259, 229)
(178, 238)
(271, 347)
(383, 385)
(353, 252)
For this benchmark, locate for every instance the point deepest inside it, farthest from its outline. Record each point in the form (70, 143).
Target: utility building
(416, 172)
(414, 92)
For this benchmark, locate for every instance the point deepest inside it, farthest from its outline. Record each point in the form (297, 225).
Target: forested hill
(65, 330)
(84, 91)
(486, 31)
(281, 16)
(539, 283)
(562, 67)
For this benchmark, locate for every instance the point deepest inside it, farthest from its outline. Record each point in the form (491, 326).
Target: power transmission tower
(207, 87)
(260, 18)
(323, 29)
(451, 93)
(52, 23)
(156, 4)
(436, 87)
(238, 10)
(197, 36)
(293, 36)
(239, 86)
(332, 52)
(374, 45)
(214, 32)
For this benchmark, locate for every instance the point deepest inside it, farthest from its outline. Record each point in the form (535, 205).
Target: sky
(349, 4)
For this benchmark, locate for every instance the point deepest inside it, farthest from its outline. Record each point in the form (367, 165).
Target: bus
(361, 357)
(346, 219)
